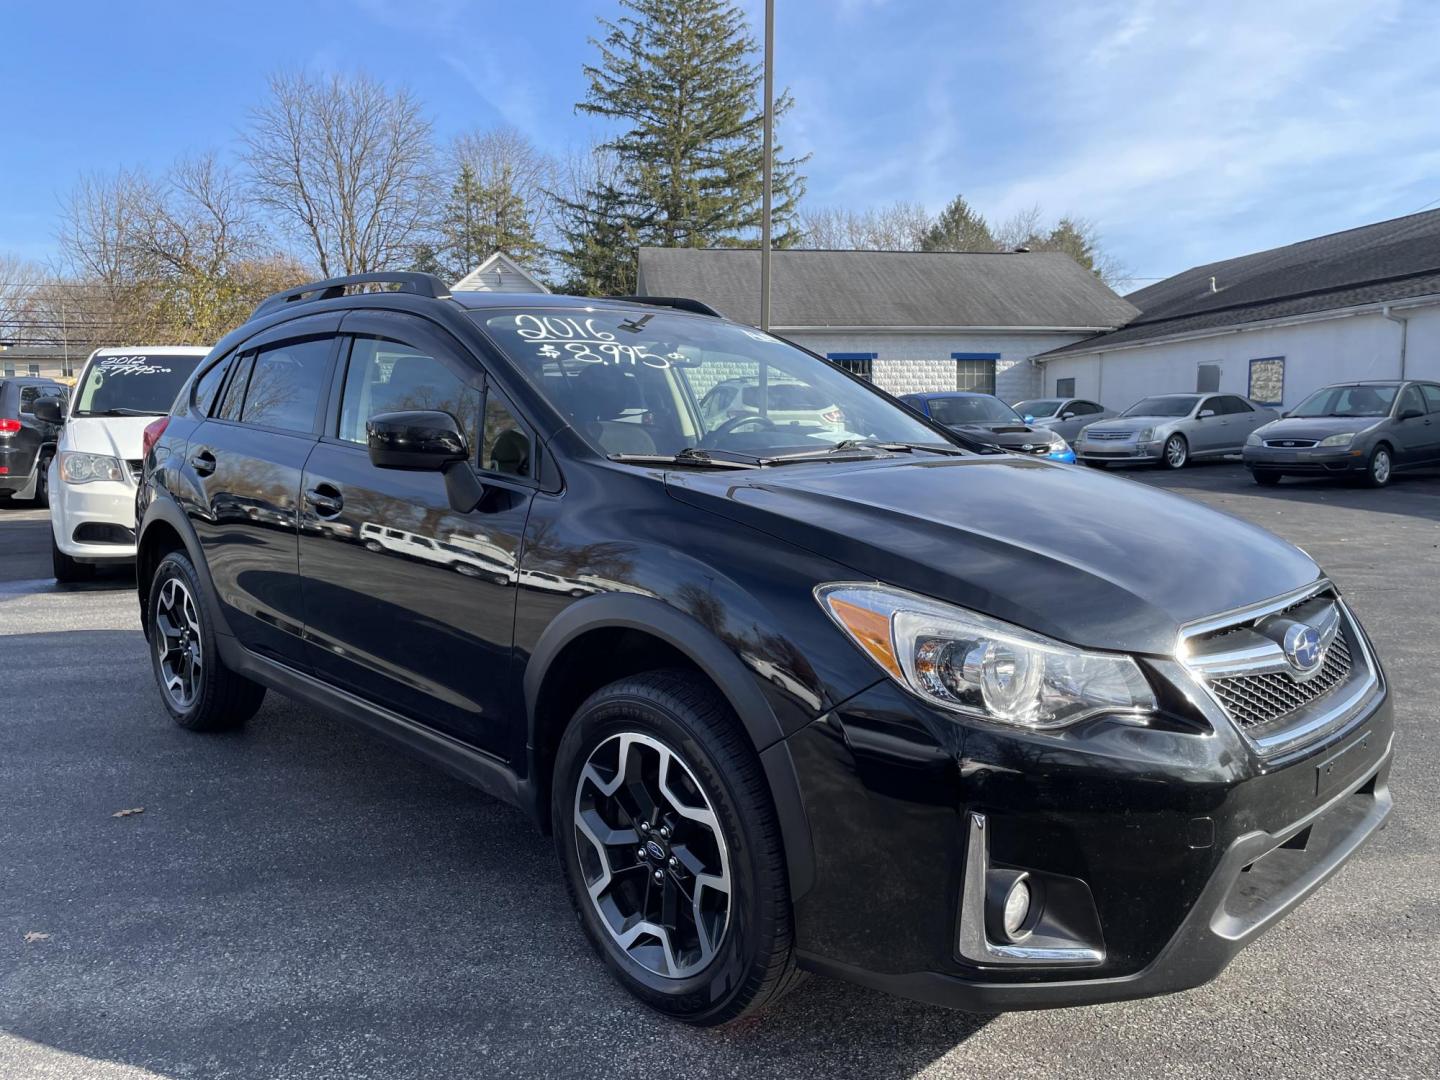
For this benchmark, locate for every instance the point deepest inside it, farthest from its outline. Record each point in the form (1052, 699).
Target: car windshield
(1168, 405)
(1370, 399)
(1041, 407)
(980, 409)
(648, 383)
(133, 384)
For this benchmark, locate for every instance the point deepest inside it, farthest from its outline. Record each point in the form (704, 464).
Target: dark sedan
(1367, 430)
(988, 419)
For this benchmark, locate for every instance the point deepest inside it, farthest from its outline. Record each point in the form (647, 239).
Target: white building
(1276, 325)
(500, 273)
(910, 321)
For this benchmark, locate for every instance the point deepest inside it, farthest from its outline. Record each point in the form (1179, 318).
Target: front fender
(161, 509)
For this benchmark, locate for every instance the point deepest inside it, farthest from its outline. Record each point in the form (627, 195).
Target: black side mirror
(1405, 414)
(425, 441)
(49, 409)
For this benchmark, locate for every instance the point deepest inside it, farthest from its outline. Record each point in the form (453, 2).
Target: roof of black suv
(431, 287)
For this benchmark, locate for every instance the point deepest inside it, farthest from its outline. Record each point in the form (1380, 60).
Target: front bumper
(1302, 460)
(1189, 845)
(1119, 451)
(93, 522)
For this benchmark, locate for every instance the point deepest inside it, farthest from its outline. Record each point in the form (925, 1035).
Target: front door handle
(203, 462)
(326, 499)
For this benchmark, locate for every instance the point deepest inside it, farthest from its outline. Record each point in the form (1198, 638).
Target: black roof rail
(679, 303)
(419, 284)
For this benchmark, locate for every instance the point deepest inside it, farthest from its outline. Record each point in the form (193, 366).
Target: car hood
(117, 436)
(1128, 423)
(1316, 427)
(993, 534)
(1004, 433)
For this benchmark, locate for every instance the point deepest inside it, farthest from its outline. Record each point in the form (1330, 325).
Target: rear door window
(286, 382)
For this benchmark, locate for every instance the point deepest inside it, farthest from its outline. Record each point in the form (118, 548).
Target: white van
(98, 455)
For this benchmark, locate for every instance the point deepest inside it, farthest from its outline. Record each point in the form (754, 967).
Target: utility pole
(769, 164)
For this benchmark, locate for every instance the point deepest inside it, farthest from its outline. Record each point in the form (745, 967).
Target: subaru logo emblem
(1302, 647)
(655, 850)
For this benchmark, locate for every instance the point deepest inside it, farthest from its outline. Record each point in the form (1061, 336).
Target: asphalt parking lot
(298, 900)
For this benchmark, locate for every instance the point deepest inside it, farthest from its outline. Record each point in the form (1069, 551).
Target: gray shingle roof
(1391, 260)
(888, 288)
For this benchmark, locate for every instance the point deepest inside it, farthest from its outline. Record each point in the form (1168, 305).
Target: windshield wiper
(705, 459)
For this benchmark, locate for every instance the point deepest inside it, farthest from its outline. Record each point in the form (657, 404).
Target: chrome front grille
(1109, 436)
(1253, 701)
(1244, 661)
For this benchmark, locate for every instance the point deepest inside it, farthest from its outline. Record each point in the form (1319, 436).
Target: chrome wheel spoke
(652, 855)
(178, 643)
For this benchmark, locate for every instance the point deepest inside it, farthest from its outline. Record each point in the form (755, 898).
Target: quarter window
(506, 447)
(228, 407)
(285, 384)
(207, 386)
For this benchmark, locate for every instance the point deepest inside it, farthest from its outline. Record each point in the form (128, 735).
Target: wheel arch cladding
(598, 640)
(166, 529)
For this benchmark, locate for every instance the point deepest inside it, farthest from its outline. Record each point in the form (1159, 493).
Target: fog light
(1017, 908)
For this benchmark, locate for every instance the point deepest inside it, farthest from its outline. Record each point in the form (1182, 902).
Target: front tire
(1176, 454)
(671, 849)
(68, 571)
(199, 691)
(1380, 467)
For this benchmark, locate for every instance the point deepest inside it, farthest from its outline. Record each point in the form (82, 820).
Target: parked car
(1064, 416)
(839, 701)
(93, 474)
(1367, 430)
(27, 441)
(1173, 430)
(986, 417)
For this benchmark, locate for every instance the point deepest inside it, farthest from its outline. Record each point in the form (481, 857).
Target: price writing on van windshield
(582, 341)
(130, 365)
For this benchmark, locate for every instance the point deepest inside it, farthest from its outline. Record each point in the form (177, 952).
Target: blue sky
(1186, 131)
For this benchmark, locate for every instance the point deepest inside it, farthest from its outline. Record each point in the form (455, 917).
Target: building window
(975, 371)
(860, 364)
(67, 368)
(33, 369)
(1064, 387)
(9, 369)
(1207, 378)
(1267, 380)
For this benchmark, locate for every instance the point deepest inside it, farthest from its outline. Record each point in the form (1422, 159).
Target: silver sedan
(1064, 416)
(1171, 429)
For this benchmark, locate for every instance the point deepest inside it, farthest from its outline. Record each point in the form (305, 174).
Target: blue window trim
(851, 355)
(1250, 383)
(974, 356)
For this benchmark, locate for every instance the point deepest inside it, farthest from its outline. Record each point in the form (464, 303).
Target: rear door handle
(203, 462)
(326, 499)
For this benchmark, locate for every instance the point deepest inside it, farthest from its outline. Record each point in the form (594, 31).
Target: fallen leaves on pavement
(36, 935)
(127, 813)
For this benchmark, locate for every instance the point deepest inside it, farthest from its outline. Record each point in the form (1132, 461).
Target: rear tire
(199, 691)
(724, 830)
(1265, 477)
(68, 571)
(41, 498)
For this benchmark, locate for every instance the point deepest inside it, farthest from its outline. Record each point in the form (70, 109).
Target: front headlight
(85, 468)
(1145, 434)
(1253, 439)
(970, 663)
(1057, 441)
(1343, 439)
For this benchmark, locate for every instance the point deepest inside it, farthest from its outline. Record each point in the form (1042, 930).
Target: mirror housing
(1067, 415)
(1203, 413)
(1405, 414)
(49, 409)
(421, 440)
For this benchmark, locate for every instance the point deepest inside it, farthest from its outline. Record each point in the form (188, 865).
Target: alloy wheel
(1176, 452)
(654, 860)
(1380, 467)
(178, 643)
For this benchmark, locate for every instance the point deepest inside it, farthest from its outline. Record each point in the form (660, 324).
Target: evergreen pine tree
(958, 228)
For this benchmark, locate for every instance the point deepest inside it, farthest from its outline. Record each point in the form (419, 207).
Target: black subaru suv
(821, 691)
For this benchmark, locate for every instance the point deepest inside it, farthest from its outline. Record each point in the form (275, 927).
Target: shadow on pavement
(298, 899)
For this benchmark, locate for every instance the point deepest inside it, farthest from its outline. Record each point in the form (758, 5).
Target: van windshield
(134, 384)
(642, 383)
